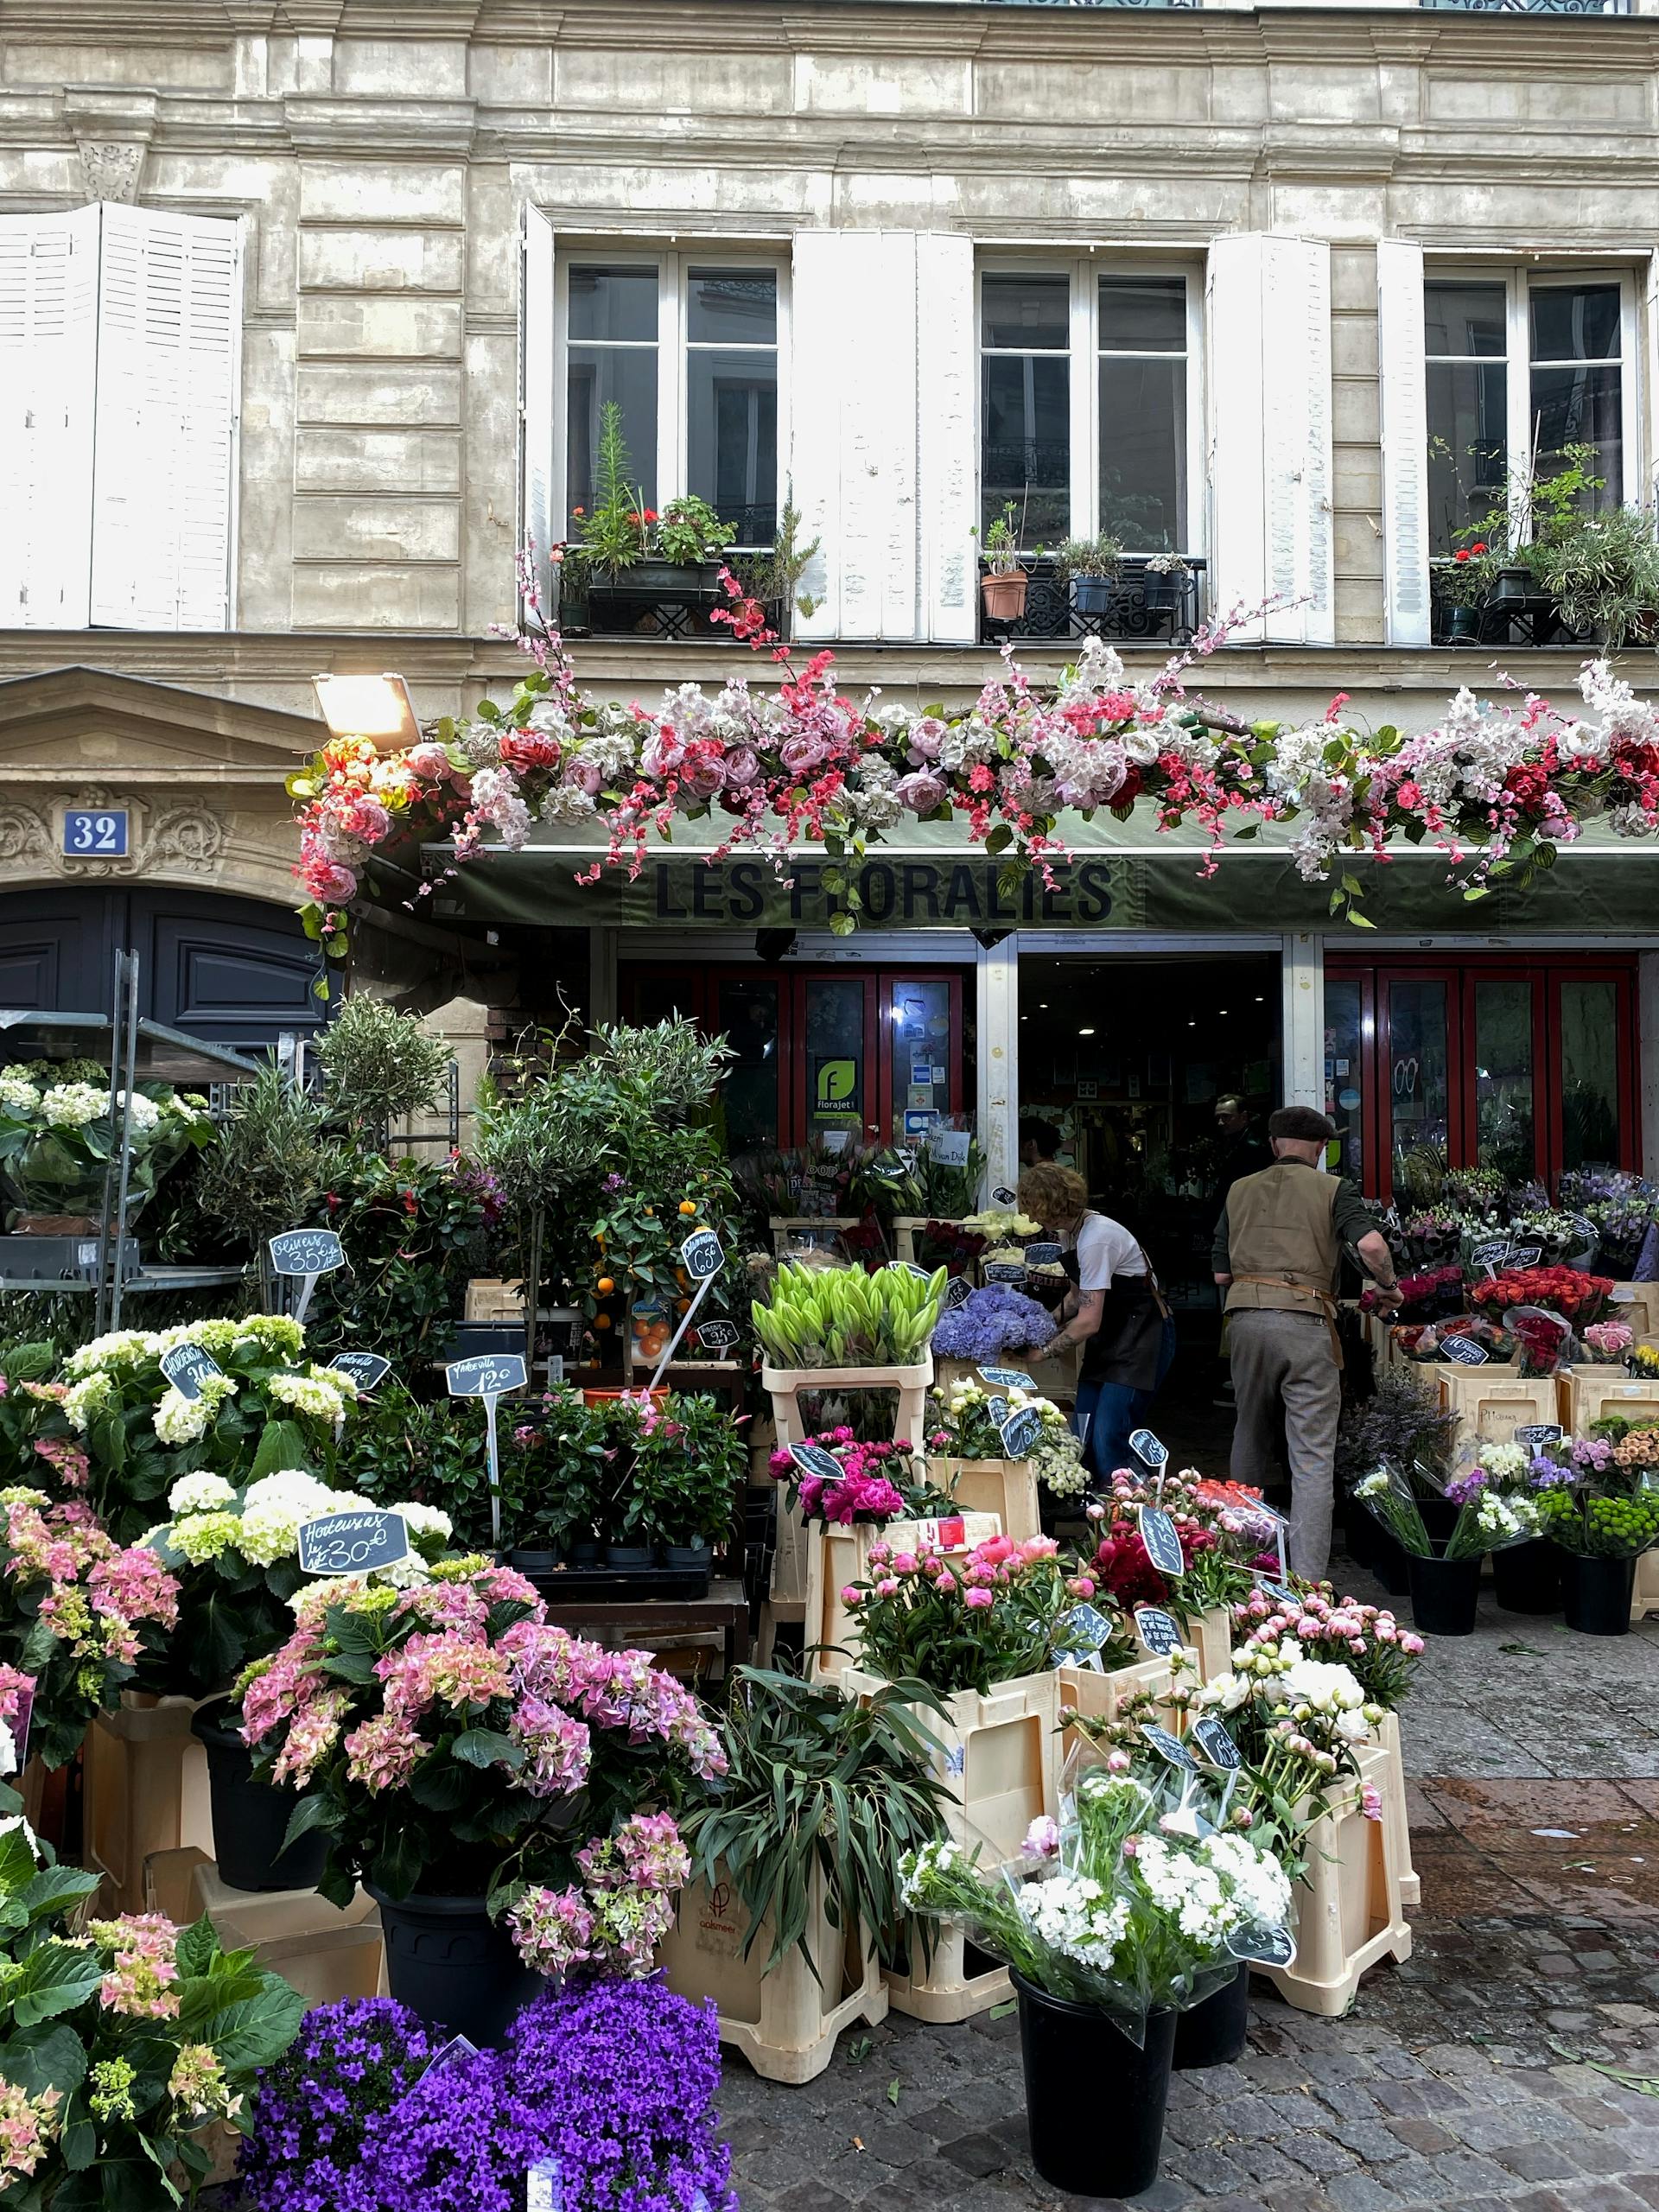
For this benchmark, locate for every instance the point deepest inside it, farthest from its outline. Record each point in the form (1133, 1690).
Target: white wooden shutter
(1405, 439)
(537, 402)
(853, 417)
(947, 364)
(49, 356)
(164, 451)
(1270, 343)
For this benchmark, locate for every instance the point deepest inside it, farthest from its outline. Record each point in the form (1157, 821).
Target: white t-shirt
(1104, 1249)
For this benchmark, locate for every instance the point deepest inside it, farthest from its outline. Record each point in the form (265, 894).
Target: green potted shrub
(631, 551)
(1602, 570)
(690, 1462)
(1004, 586)
(774, 577)
(1089, 567)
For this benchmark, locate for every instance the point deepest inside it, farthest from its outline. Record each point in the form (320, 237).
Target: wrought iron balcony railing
(1138, 603)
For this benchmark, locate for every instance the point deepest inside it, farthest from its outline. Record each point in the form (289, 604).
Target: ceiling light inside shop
(1085, 1033)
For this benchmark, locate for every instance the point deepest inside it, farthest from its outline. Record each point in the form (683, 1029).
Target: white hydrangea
(199, 1493)
(204, 1536)
(18, 1098)
(179, 1420)
(146, 1114)
(72, 1105)
(121, 1348)
(276, 1508)
(425, 1521)
(85, 1399)
(309, 1394)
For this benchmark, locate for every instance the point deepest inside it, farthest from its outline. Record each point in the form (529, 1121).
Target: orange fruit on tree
(688, 1205)
(605, 1286)
(601, 1320)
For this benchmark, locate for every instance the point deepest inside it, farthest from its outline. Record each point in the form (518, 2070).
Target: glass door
(1592, 1082)
(1504, 1021)
(1419, 1082)
(835, 1059)
(921, 1051)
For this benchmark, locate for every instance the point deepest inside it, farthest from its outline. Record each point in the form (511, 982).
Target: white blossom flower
(199, 1493)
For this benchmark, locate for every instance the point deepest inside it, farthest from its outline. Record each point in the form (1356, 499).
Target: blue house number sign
(101, 833)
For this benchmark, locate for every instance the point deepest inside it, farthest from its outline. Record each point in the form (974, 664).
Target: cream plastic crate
(319, 1950)
(1006, 1488)
(1394, 1811)
(1000, 1753)
(1636, 1304)
(169, 1883)
(1491, 1402)
(821, 1231)
(1213, 1635)
(784, 2022)
(146, 1791)
(836, 1557)
(1348, 1910)
(1597, 1397)
(1099, 1696)
(907, 1386)
(945, 1989)
(1645, 1597)
(1055, 1379)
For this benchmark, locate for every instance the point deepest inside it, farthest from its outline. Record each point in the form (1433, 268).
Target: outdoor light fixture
(1085, 1033)
(377, 707)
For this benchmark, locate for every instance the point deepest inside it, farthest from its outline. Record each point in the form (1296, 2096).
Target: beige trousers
(1285, 1378)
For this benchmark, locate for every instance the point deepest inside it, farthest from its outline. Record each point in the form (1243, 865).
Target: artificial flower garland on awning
(1496, 787)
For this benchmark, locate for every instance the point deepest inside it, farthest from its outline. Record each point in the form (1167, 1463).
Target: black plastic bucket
(1214, 2033)
(1527, 1578)
(1596, 1593)
(447, 1960)
(250, 1818)
(1445, 1593)
(1075, 2055)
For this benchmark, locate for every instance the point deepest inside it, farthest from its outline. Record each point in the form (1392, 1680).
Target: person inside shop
(1038, 1140)
(1243, 1151)
(1277, 1248)
(1113, 1310)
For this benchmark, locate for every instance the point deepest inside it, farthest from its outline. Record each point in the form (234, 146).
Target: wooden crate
(1598, 1394)
(1636, 1304)
(146, 1791)
(784, 2022)
(1213, 1635)
(1006, 1488)
(1491, 1402)
(1348, 1910)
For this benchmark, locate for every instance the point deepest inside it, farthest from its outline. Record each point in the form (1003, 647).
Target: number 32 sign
(100, 833)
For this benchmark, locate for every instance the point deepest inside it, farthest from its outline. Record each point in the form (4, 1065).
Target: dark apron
(1128, 1347)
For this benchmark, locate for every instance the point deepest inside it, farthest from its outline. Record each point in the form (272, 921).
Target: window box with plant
(1089, 567)
(631, 551)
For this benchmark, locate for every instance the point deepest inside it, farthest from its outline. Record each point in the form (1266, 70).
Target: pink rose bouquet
(447, 1737)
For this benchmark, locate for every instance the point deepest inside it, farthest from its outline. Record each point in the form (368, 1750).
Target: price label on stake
(1463, 1351)
(1540, 1431)
(718, 1336)
(352, 1543)
(1006, 1271)
(187, 1367)
(1168, 1747)
(1261, 1946)
(1160, 1631)
(957, 1292)
(1003, 1196)
(488, 1376)
(1085, 1628)
(1162, 1540)
(544, 2187)
(813, 1460)
(1218, 1746)
(1146, 1448)
(368, 1370)
(1526, 1255)
(702, 1256)
(307, 1254)
(1005, 1378)
(1021, 1433)
(1043, 1256)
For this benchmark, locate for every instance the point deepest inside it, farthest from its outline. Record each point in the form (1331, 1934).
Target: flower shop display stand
(784, 2022)
(1348, 1913)
(1491, 1402)
(1395, 1810)
(836, 1556)
(1212, 1639)
(1644, 1596)
(820, 1228)
(322, 1952)
(1005, 1487)
(146, 1790)
(1097, 1696)
(1597, 1392)
(999, 1754)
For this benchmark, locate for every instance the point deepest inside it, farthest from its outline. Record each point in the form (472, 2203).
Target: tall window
(688, 351)
(1086, 418)
(1519, 367)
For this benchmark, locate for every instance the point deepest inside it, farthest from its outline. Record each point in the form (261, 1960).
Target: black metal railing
(1515, 615)
(1534, 7)
(1138, 603)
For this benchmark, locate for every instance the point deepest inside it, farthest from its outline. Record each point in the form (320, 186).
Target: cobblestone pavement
(1512, 2062)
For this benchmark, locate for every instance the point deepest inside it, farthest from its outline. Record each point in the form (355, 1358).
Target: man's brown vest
(1282, 1240)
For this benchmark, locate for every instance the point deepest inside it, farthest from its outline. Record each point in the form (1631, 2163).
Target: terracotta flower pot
(1005, 596)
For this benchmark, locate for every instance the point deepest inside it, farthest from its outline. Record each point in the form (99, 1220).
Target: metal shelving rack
(106, 1267)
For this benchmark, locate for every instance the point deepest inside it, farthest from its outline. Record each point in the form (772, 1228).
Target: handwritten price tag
(487, 1375)
(368, 1370)
(352, 1543)
(187, 1367)
(306, 1252)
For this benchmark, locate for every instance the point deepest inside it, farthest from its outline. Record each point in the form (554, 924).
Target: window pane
(748, 1091)
(1027, 312)
(836, 1060)
(1461, 319)
(1143, 452)
(613, 303)
(1344, 1096)
(732, 307)
(1417, 1079)
(1575, 322)
(1143, 315)
(1027, 456)
(918, 1014)
(1504, 1108)
(1581, 407)
(1589, 1074)
(732, 456)
(1468, 446)
(597, 374)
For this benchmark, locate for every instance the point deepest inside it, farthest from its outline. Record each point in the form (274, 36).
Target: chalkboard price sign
(1085, 1628)
(957, 1292)
(1525, 1255)
(813, 1460)
(368, 1370)
(1158, 1632)
(1003, 1196)
(1160, 1535)
(1006, 1378)
(1147, 1447)
(1168, 1747)
(703, 1254)
(1463, 1351)
(1218, 1746)
(352, 1543)
(187, 1367)
(488, 1375)
(1043, 1256)
(1022, 1431)
(1540, 1431)
(1261, 1946)
(1008, 1271)
(306, 1252)
(718, 1336)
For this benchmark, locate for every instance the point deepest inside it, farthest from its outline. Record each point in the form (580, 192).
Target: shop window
(687, 348)
(1519, 367)
(1087, 412)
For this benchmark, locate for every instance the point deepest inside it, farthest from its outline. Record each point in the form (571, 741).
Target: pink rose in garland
(448, 1738)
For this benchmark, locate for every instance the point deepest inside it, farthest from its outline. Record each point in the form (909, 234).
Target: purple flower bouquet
(991, 1322)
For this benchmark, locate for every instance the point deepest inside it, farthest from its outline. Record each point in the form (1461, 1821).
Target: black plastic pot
(1092, 594)
(1388, 1563)
(531, 1561)
(250, 1818)
(1160, 590)
(1527, 1578)
(450, 1962)
(1214, 2033)
(1444, 1594)
(584, 1552)
(1465, 626)
(1073, 2054)
(1596, 1593)
(1359, 1533)
(689, 1558)
(629, 1555)
(1512, 583)
(1439, 1517)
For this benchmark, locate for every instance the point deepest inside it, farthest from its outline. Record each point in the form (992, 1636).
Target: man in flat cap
(1277, 1250)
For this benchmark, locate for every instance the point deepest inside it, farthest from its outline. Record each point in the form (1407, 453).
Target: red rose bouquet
(1568, 1291)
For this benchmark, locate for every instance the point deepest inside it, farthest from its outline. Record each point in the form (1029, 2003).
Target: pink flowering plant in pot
(963, 1621)
(449, 1742)
(77, 1612)
(878, 1482)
